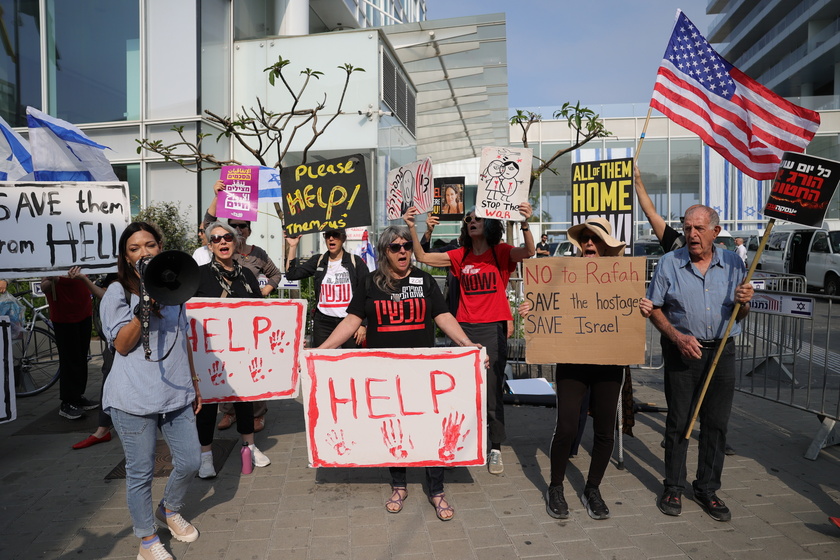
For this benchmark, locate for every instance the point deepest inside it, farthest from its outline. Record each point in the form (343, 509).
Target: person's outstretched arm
(657, 222)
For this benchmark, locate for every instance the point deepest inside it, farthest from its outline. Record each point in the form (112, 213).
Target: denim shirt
(135, 385)
(695, 304)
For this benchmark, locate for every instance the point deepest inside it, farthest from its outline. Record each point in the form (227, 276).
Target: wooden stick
(722, 343)
(642, 137)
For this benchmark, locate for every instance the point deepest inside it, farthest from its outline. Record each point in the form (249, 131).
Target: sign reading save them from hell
(51, 227)
(585, 311)
(404, 407)
(325, 195)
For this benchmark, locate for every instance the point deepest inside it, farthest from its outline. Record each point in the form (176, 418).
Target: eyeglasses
(240, 226)
(395, 247)
(584, 239)
(334, 234)
(218, 238)
(468, 219)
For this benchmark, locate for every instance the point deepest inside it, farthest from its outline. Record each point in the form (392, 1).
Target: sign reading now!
(585, 311)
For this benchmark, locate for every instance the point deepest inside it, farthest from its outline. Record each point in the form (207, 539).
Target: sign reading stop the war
(246, 349)
(395, 407)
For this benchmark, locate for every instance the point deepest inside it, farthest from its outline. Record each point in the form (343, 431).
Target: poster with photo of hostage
(503, 181)
(410, 185)
(449, 198)
(604, 189)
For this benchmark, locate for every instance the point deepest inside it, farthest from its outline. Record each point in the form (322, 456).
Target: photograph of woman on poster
(453, 200)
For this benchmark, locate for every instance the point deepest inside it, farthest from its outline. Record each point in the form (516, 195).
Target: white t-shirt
(202, 255)
(336, 291)
(741, 251)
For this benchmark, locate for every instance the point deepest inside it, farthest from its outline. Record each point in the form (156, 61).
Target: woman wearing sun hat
(593, 238)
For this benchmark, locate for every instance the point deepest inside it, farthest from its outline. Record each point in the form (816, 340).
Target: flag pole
(722, 343)
(642, 137)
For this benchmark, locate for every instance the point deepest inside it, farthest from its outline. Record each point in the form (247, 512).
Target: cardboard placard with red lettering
(240, 199)
(409, 185)
(503, 182)
(415, 407)
(585, 310)
(802, 189)
(246, 349)
(324, 195)
(604, 189)
(48, 228)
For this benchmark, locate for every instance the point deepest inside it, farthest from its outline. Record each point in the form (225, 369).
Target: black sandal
(440, 509)
(399, 501)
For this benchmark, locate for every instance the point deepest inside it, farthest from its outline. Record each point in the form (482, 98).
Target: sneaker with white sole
(207, 470)
(260, 458)
(494, 462)
(181, 529)
(154, 552)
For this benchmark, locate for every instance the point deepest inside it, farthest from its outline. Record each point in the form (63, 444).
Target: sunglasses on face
(332, 234)
(218, 238)
(584, 239)
(395, 247)
(468, 219)
(240, 226)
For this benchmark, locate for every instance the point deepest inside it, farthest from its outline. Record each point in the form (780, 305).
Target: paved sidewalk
(56, 503)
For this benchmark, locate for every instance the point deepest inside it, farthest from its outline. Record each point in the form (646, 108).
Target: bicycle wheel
(35, 362)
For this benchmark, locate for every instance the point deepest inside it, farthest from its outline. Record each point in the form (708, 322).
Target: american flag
(742, 120)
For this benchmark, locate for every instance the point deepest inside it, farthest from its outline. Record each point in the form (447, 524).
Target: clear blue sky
(594, 51)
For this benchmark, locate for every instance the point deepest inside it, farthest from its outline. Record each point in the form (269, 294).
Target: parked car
(810, 252)
(564, 249)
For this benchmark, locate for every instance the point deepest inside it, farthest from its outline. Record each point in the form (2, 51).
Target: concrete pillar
(291, 17)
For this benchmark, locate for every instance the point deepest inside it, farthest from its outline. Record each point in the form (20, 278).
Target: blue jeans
(139, 437)
(683, 381)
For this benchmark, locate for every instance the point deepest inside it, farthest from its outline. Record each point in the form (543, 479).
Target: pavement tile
(457, 549)
(289, 537)
(533, 545)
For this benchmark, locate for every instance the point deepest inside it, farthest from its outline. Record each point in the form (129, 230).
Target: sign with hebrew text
(246, 349)
(240, 199)
(396, 407)
(803, 189)
(585, 310)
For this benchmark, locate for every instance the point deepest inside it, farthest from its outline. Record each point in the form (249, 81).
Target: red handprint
(275, 339)
(256, 369)
(336, 441)
(452, 436)
(393, 438)
(217, 373)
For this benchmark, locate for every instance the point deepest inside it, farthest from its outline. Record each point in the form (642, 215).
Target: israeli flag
(15, 159)
(270, 185)
(62, 152)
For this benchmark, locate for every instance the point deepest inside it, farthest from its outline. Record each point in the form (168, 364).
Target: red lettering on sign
(334, 400)
(433, 375)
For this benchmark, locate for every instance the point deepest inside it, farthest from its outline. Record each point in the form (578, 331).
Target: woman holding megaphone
(152, 385)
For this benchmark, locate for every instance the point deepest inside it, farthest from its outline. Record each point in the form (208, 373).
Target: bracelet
(195, 378)
(525, 228)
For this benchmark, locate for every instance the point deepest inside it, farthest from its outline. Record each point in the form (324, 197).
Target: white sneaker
(207, 470)
(494, 462)
(154, 552)
(260, 458)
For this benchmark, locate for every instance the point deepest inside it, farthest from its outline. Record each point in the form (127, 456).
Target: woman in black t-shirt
(398, 291)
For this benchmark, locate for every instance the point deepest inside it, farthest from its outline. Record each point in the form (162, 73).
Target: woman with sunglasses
(593, 238)
(482, 265)
(397, 283)
(143, 395)
(224, 276)
(339, 276)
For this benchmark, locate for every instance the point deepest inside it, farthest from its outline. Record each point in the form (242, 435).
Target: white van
(810, 252)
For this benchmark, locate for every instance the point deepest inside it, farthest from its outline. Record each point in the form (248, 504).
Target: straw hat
(602, 229)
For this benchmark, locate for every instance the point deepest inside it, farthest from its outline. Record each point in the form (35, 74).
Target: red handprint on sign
(452, 436)
(256, 369)
(275, 339)
(336, 441)
(394, 439)
(217, 373)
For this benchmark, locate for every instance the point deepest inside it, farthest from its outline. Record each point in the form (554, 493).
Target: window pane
(131, 174)
(93, 60)
(20, 75)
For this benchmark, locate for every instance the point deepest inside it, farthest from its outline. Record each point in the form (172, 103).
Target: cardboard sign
(604, 189)
(246, 349)
(8, 406)
(49, 227)
(503, 182)
(406, 407)
(585, 311)
(325, 195)
(240, 199)
(802, 189)
(448, 202)
(410, 185)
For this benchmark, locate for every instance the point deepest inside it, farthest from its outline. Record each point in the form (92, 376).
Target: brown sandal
(440, 509)
(399, 501)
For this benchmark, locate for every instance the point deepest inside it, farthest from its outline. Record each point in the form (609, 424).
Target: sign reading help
(46, 227)
(246, 349)
(585, 311)
(402, 407)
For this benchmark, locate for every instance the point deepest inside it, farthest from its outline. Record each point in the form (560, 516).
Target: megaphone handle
(144, 315)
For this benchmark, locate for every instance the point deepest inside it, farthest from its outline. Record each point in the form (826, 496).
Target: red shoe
(92, 440)
(835, 520)
(259, 424)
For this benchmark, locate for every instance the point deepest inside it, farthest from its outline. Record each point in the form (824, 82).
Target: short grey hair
(217, 224)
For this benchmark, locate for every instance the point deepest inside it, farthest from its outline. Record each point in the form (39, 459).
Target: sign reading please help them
(403, 407)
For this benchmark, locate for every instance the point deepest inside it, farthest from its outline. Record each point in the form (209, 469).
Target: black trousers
(205, 422)
(492, 337)
(73, 342)
(322, 328)
(434, 478)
